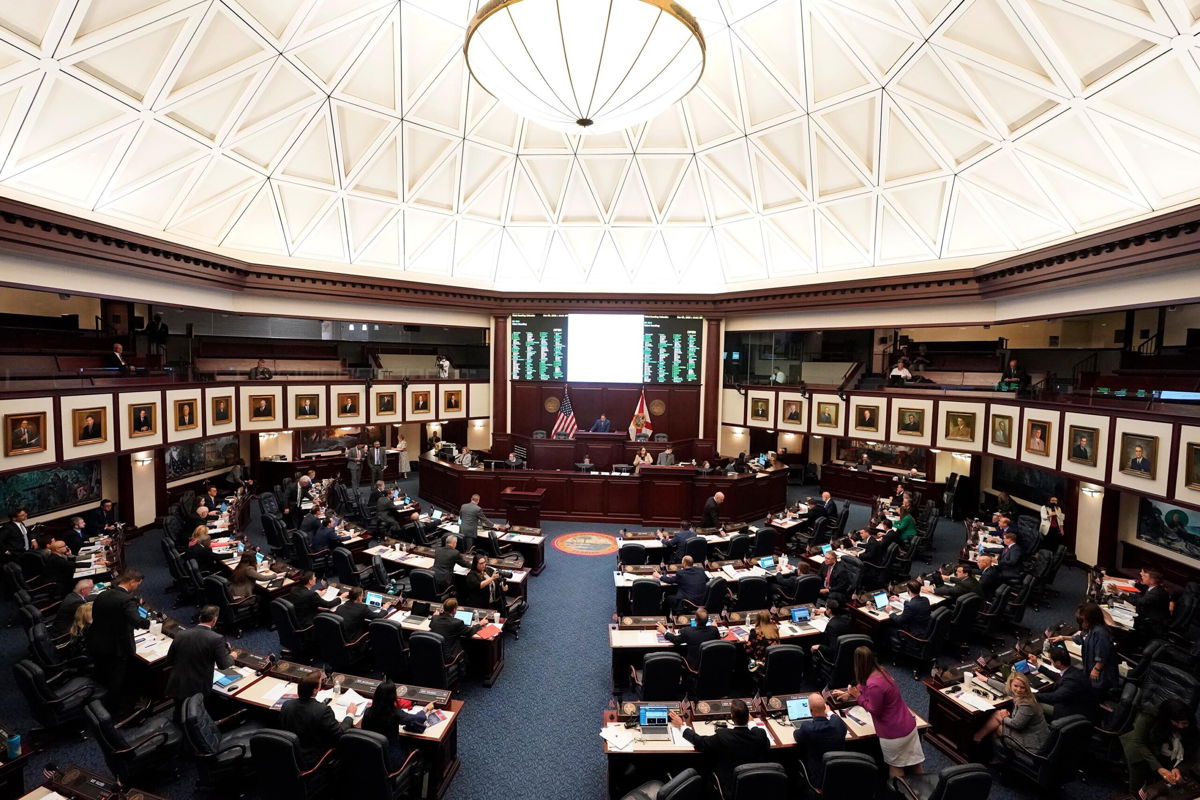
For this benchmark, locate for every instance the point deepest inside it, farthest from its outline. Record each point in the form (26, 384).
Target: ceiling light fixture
(585, 67)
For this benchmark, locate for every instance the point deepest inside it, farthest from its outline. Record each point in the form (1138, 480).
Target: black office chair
(697, 548)
(1115, 724)
(841, 671)
(738, 547)
(784, 670)
(193, 590)
(268, 505)
(806, 591)
(389, 648)
(493, 547)
(221, 757)
(380, 574)
(924, 650)
(716, 594)
(347, 573)
(767, 781)
(687, 785)
(1165, 680)
(366, 771)
(850, 774)
(962, 619)
(55, 700)
(1014, 610)
(645, 598)
(1057, 762)
(275, 530)
(56, 656)
(660, 678)
(305, 558)
(12, 578)
(276, 758)
(764, 543)
(875, 574)
(632, 554)
(295, 640)
(538, 434)
(989, 615)
(133, 751)
(339, 653)
(424, 586)
(427, 660)
(713, 679)
(753, 593)
(958, 782)
(237, 613)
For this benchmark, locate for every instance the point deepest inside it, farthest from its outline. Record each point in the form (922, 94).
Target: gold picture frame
(866, 418)
(420, 403)
(185, 416)
(221, 407)
(452, 400)
(84, 432)
(760, 409)
(1145, 466)
(1083, 445)
(828, 415)
(24, 433)
(262, 408)
(960, 426)
(1037, 436)
(308, 406)
(143, 424)
(385, 404)
(347, 404)
(1002, 428)
(910, 421)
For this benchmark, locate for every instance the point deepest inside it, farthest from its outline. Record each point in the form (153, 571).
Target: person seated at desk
(692, 636)
(586, 465)
(601, 425)
(413, 529)
(313, 722)
(964, 582)
(905, 528)
(209, 498)
(643, 457)
(512, 462)
(65, 614)
(729, 747)
(840, 624)
(102, 520)
(306, 601)
(739, 465)
(666, 458)
(692, 583)
(466, 458)
(326, 537)
(990, 576)
(898, 495)
(886, 531)
(200, 549)
(247, 575)
(1099, 653)
(816, 736)
(829, 507)
(312, 520)
(835, 579)
(1153, 606)
(675, 544)
(484, 586)
(197, 516)
(379, 489)
(1014, 379)
(1161, 742)
(452, 629)
(913, 618)
(58, 565)
(705, 468)
(357, 614)
(899, 375)
(1010, 558)
(1071, 692)
(446, 557)
(385, 512)
(1025, 724)
(864, 463)
(1004, 504)
(387, 715)
(764, 634)
(874, 549)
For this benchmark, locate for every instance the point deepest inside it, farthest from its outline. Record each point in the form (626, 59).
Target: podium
(605, 449)
(523, 507)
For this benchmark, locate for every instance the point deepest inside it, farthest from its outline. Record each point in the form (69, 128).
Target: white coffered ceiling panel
(826, 138)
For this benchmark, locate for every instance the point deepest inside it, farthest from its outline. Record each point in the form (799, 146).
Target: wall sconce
(479, 425)
(1092, 491)
(934, 450)
(142, 461)
(817, 437)
(963, 456)
(739, 432)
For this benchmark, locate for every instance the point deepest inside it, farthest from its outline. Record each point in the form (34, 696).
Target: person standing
(110, 638)
(405, 464)
(377, 458)
(443, 366)
(876, 691)
(195, 653)
(712, 511)
(666, 458)
(470, 517)
(601, 425)
(157, 334)
(1099, 652)
(1051, 527)
(14, 536)
(355, 456)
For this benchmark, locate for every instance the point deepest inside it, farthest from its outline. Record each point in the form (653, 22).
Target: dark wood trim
(1109, 529)
(711, 397)
(1168, 241)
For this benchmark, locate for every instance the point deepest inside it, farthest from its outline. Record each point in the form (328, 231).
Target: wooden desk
(605, 449)
(867, 487)
(81, 784)
(419, 557)
(954, 722)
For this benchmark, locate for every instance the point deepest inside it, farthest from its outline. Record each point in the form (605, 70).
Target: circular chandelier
(585, 66)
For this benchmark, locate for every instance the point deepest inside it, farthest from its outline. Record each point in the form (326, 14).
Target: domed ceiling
(838, 138)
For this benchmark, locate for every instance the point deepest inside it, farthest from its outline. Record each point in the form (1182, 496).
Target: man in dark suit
(385, 512)
(67, 607)
(675, 544)
(712, 511)
(513, 462)
(1153, 607)
(186, 418)
(307, 409)
(1011, 557)
(314, 723)
(909, 424)
(142, 423)
(110, 638)
(211, 502)
(357, 614)
(470, 517)
(1139, 462)
(913, 619)
(306, 601)
(817, 736)
(376, 460)
(692, 583)
(729, 747)
(102, 520)
(964, 583)
(1072, 693)
(116, 359)
(312, 520)
(835, 580)
(90, 430)
(453, 630)
(262, 410)
(692, 636)
(874, 550)
(1082, 450)
(602, 425)
(378, 490)
(413, 530)
(326, 537)
(990, 577)
(195, 653)
(839, 624)
(445, 557)
(14, 536)
(830, 508)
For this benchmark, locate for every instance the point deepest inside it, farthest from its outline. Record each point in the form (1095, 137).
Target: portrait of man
(143, 419)
(385, 403)
(1192, 468)
(866, 418)
(420, 402)
(307, 406)
(262, 407)
(827, 415)
(222, 410)
(759, 408)
(24, 433)
(1083, 445)
(452, 401)
(1139, 455)
(1037, 437)
(347, 404)
(791, 411)
(89, 425)
(912, 421)
(960, 426)
(1002, 430)
(185, 415)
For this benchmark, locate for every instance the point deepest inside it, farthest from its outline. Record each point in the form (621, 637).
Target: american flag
(566, 418)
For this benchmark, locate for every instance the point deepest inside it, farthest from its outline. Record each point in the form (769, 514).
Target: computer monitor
(880, 599)
(259, 558)
(801, 614)
(825, 548)
(798, 709)
(467, 617)
(241, 547)
(145, 614)
(652, 715)
(762, 459)
(585, 467)
(767, 562)
(375, 599)
(437, 514)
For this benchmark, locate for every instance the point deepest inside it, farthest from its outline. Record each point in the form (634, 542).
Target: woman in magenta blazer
(894, 722)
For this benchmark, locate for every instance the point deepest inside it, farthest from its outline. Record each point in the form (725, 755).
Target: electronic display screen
(539, 347)
(652, 715)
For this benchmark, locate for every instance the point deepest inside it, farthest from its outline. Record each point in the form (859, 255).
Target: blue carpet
(535, 733)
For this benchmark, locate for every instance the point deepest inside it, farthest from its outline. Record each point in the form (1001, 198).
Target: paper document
(972, 700)
(329, 593)
(618, 737)
(820, 623)
(677, 737)
(272, 695)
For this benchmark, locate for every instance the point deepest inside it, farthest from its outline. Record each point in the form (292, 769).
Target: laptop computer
(798, 709)
(420, 612)
(466, 617)
(767, 562)
(825, 548)
(436, 515)
(374, 599)
(801, 615)
(275, 583)
(653, 722)
(880, 599)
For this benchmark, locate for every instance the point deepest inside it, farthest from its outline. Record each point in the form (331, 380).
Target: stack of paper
(618, 737)
(820, 623)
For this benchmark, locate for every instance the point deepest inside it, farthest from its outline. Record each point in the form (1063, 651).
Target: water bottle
(14, 747)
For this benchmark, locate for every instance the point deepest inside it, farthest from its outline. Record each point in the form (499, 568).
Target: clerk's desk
(676, 754)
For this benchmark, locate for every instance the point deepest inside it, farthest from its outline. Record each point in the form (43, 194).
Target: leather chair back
(645, 597)
(365, 767)
(963, 782)
(842, 673)
(662, 676)
(389, 648)
(715, 594)
(331, 640)
(423, 586)
(276, 758)
(785, 669)
(714, 677)
(283, 616)
(632, 553)
(764, 543)
(426, 657)
(739, 546)
(753, 593)
(766, 781)
(343, 567)
(687, 785)
(808, 589)
(697, 548)
(850, 774)
(379, 571)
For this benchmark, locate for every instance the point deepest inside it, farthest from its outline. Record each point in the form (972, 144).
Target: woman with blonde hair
(79, 626)
(1025, 724)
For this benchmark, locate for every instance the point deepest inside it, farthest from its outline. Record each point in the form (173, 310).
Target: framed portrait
(791, 411)
(24, 433)
(1037, 437)
(866, 418)
(143, 419)
(1192, 468)
(222, 409)
(760, 408)
(960, 426)
(1139, 455)
(452, 400)
(347, 404)
(385, 403)
(910, 421)
(89, 425)
(308, 406)
(827, 415)
(1002, 427)
(262, 407)
(420, 403)
(1082, 444)
(186, 417)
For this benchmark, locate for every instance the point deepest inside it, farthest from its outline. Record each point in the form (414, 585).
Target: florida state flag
(640, 424)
